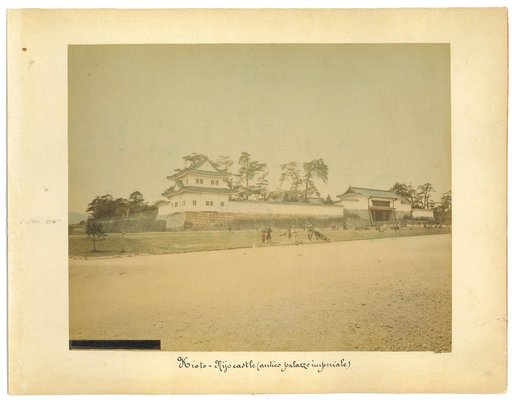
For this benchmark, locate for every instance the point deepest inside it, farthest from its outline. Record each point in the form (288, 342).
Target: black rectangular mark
(114, 345)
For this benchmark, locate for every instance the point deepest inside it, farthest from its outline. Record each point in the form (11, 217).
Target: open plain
(389, 294)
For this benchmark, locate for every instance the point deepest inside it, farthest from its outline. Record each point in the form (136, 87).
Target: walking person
(293, 234)
(263, 235)
(269, 234)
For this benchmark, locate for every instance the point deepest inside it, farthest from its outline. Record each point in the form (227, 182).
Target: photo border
(39, 358)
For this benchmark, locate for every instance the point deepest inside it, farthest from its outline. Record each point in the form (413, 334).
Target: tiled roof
(199, 189)
(387, 194)
(195, 168)
(211, 173)
(208, 189)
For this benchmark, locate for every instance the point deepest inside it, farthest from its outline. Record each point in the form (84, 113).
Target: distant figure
(309, 228)
(293, 234)
(269, 234)
(314, 233)
(263, 235)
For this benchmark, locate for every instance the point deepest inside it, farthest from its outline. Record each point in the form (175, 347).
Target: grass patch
(192, 241)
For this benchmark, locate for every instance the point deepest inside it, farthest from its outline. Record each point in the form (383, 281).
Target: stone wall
(207, 220)
(145, 221)
(149, 221)
(357, 217)
(362, 217)
(173, 222)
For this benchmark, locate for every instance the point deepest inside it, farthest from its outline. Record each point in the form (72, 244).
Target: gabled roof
(386, 194)
(198, 164)
(196, 168)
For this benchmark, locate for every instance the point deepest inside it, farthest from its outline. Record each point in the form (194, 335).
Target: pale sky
(375, 113)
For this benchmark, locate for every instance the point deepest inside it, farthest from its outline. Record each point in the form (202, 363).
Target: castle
(201, 198)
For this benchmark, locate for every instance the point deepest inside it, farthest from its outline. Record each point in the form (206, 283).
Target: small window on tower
(194, 203)
(222, 204)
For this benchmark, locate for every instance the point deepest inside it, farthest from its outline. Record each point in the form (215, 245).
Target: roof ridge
(213, 165)
(201, 163)
(197, 164)
(380, 190)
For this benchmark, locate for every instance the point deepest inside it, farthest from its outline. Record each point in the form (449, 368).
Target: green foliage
(102, 206)
(422, 197)
(446, 201)
(302, 182)
(137, 203)
(315, 169)
(407, 192)
(194, 241)
(105, 206)
(291, 173)
(425, 194)
(261, 187)
(443, 209)
(95, 231)
(249, 170)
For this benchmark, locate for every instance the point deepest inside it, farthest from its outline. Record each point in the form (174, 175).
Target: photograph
(260, 197)
(257, 201)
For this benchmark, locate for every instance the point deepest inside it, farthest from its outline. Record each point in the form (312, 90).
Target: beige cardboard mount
(40, 361)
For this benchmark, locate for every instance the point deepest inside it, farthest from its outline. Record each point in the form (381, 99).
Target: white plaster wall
(191, 177)
(420, 213)
(200, 198)
(260, 207)
(355, 203)
(399, 206)
(248, 207)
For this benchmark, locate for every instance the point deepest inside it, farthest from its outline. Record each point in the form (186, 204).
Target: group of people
(266, 235)
(291, 233)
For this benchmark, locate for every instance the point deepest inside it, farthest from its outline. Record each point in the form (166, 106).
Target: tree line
(250, 181)
(297, 183)
(421, 197)
(105, 206)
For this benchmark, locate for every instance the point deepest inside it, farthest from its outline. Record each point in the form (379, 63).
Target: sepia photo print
(260, 197)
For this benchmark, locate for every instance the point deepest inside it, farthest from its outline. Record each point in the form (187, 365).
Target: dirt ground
(367, 295)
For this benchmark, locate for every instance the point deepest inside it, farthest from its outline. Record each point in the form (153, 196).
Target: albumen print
(260, 197)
